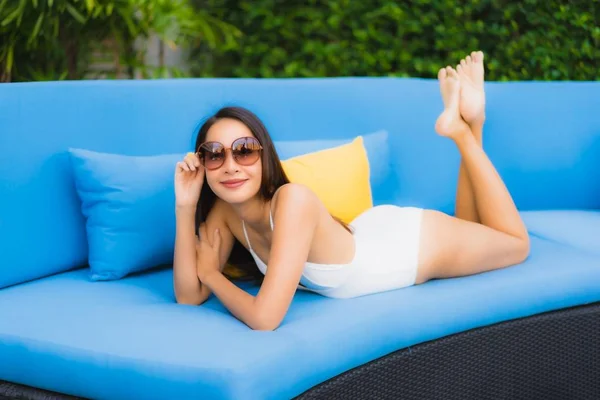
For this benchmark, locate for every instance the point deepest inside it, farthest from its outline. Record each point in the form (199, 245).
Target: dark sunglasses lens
(246, 150)
(212, 155)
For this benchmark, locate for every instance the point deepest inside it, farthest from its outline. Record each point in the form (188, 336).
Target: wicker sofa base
(554, 355)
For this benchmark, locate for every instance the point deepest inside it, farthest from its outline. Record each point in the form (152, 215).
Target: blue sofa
(66, 331)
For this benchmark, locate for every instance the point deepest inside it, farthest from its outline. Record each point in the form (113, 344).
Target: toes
(442, 73)
(476, 56)
(469, 60)
(463, 63)
(460, 70)
(451, 72)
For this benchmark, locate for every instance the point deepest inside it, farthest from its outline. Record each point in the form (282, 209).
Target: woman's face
(234, 181)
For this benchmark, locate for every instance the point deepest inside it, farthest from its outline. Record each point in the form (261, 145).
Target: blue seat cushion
(129, 339)
(577, 228)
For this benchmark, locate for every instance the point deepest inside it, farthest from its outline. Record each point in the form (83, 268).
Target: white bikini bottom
(387, 241)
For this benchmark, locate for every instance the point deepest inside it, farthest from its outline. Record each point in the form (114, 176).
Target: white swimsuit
(386, 255)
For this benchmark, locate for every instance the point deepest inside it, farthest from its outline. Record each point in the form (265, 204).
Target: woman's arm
(295, 217)
(188, 288)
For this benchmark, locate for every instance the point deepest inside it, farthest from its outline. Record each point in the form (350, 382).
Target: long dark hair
(273, 177)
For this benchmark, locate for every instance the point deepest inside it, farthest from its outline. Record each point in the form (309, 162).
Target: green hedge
(523, 40)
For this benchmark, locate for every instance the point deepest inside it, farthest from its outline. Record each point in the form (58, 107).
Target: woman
(237, 180)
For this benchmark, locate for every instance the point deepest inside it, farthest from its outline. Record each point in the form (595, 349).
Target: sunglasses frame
(230, 149)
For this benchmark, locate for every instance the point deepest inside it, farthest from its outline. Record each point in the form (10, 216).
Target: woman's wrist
(185, 208)
(206, 277)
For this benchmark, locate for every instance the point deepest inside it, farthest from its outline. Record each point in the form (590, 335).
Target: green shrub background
(523, 40)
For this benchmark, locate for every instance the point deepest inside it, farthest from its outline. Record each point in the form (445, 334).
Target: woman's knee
(522, 249)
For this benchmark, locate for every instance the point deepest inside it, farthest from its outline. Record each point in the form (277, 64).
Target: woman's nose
(230, 165)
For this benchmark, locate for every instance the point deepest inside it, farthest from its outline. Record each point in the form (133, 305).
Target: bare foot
(450, 123)
(472, 96)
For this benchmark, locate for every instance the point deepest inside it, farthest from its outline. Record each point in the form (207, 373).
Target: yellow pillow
(339, 176)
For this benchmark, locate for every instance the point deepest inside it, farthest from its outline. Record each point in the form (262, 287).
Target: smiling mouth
(234, 183)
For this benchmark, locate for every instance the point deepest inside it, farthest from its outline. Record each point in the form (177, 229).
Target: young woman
(236, 184)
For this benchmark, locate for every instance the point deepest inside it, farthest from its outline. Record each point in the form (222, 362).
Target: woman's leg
(452, 246)
(472, 109)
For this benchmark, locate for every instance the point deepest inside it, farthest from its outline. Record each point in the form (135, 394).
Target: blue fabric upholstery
(127, 339)
(577, 228)
(128, 203)
(542, 137)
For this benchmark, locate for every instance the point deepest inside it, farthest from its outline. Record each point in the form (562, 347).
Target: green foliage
(58, 39)
(523, 40)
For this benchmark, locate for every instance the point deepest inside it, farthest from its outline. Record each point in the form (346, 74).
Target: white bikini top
(315, 277)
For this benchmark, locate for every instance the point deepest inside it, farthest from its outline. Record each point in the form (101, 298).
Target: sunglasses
(245, 151)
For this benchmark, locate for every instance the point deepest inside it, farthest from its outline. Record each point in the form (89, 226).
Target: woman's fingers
(189, 161)
(196, 160)
(183, 166)
(192, 161)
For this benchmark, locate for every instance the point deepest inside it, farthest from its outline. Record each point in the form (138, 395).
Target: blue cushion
(129, 206)
(140, 344)
(542, 137)
(576, 228)
(129, 202)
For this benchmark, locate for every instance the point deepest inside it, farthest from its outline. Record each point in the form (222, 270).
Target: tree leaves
(533, 39)
(58, 35)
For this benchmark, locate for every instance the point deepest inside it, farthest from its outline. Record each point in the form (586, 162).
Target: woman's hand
(207, 254)
(189, 176)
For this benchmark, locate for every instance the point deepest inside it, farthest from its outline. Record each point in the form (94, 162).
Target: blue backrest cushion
(544, 138)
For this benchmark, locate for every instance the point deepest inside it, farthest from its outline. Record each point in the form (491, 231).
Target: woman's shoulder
(295, 197)
(294, 192)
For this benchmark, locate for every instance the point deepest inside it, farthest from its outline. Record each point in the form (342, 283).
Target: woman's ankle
(477, 129)
(465, 141)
